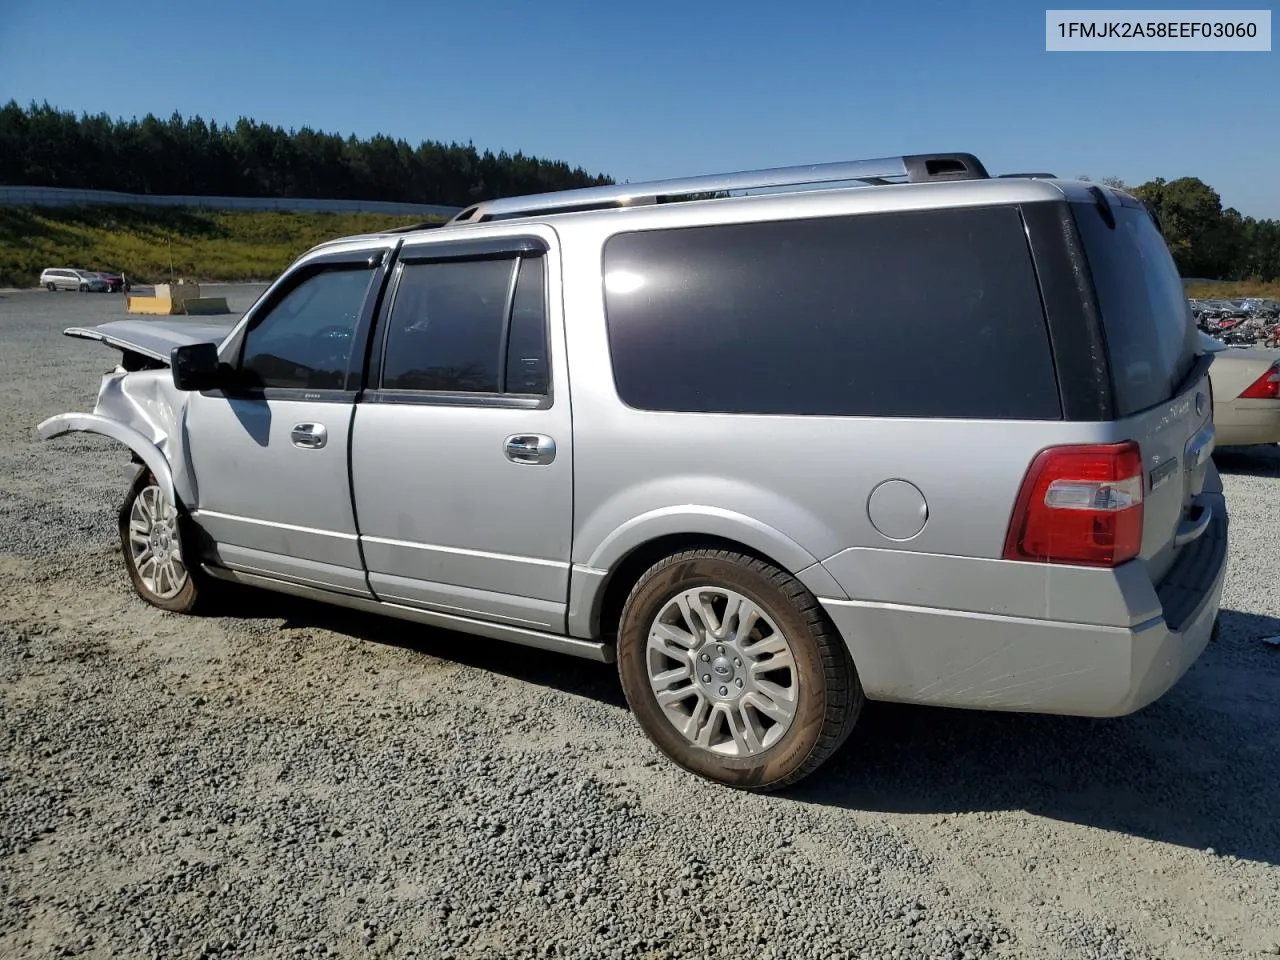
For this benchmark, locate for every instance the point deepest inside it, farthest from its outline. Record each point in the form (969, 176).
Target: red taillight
(1266, 387)
(1081, 505)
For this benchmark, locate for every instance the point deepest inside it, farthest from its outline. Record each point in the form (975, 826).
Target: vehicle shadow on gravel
(1198, 768)
(1248, 461)
(584, 678)
(1195, 769)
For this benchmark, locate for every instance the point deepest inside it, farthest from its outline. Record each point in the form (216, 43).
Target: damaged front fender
(145, 412)
(93, 423)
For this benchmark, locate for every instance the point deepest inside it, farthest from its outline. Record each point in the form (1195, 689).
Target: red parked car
(115, 281)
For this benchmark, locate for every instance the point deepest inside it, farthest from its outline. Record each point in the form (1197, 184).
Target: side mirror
(195, 366)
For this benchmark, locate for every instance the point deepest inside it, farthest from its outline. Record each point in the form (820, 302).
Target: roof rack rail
(410, 228)
(1030, 176)
(914, 168)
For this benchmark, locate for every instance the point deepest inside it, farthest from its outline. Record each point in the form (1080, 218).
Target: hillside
(145, 241)
(1228, 290)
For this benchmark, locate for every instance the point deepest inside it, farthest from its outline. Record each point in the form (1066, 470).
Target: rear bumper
(980, 660)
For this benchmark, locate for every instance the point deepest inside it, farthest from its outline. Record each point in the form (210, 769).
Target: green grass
(205, 245)
(1233, 290)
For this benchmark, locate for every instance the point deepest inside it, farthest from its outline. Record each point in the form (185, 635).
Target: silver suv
(925, 435)
(67, 278)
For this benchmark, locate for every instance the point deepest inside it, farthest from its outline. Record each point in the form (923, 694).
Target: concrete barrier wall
(65, 197)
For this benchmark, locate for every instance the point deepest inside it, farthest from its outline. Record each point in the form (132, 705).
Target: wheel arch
(146, 451)
(602, 591)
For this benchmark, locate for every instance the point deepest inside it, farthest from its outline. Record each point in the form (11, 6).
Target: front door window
(305, 340)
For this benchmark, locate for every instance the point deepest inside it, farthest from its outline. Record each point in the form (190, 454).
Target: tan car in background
(1246, 394)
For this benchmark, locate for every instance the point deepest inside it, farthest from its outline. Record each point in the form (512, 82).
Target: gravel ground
(292, 780)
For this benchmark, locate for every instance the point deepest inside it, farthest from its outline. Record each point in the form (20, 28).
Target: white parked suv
(68, 278)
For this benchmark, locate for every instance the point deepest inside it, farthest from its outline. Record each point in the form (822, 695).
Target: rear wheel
(152, 542)
(734, 671)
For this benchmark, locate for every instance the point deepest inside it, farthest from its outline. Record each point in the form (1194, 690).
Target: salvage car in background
(1246, 393)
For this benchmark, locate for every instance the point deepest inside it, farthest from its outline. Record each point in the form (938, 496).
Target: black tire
(196, 586)
(84, 288)
(51, 287)
(829, 697)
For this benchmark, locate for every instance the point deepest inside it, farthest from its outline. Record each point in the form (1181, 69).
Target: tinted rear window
(1148, 325)
(915, 314)
(446, 327)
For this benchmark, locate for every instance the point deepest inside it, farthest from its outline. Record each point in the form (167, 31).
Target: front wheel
(150, 536)
(734, 671)
(51, 287)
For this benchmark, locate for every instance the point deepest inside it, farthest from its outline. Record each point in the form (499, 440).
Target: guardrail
(66, 197)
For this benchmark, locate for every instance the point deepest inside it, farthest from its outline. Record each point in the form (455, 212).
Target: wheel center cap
(721, 671)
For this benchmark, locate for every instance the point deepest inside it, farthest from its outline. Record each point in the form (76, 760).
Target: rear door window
(908, 314)
(469, 326)
(1147, 322)
(446, 325)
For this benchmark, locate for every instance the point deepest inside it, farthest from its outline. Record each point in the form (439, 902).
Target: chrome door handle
(312, 436)
(530, 448)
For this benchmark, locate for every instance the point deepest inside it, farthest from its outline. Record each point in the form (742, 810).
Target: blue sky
(668, 89)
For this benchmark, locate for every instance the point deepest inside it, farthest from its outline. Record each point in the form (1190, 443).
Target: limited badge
(1161, 474)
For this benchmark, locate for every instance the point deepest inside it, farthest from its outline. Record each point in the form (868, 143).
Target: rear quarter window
(907, 314)
(1150, 332)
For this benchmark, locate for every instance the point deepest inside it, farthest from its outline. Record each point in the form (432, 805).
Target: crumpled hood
(156, 338)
